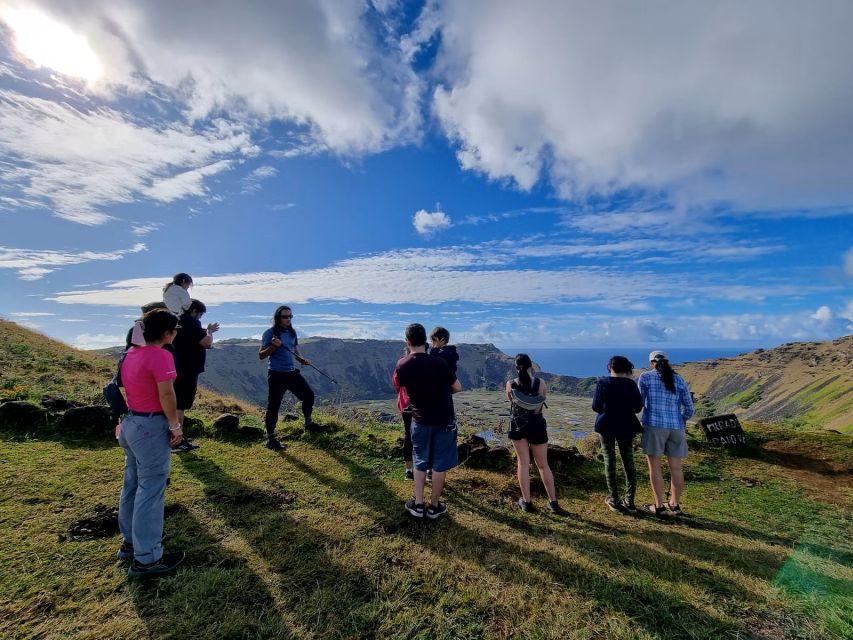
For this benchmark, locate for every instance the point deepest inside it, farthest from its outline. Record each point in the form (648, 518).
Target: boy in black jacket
(439, 337)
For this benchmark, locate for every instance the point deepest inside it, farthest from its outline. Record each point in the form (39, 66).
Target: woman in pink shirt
(146, 434)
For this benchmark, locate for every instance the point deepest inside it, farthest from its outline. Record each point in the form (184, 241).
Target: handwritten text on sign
(723, 430)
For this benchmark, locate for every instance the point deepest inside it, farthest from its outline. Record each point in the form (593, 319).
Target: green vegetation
(744, 399)
(314, 543)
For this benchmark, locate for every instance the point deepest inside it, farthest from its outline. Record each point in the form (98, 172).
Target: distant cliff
(803, 384)
(362, 368)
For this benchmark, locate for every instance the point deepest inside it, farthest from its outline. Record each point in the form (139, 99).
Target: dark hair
(440, 333)
(158, 322)
(416, 334)
(522, 364)
(197, 305)
(667, 374)
(276, 318)
(620, 364)
(179, 279)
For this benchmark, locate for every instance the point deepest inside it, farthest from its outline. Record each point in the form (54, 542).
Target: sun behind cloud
(47, 42)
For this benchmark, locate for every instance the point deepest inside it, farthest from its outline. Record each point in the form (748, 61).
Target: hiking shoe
(555, 508)
(125, 551)
(435, 511)
(658, 512)
(629, 506)
(409, 474)
(183, 446)
(613, 504)
(415, 508)
(312, 426)
(527, 507)
(274, 445)
(168, 562)
(675, 509)
(429, 475)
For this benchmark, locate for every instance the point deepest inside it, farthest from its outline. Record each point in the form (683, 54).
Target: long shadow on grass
(214, 594)
(661, 613)
(320, 593)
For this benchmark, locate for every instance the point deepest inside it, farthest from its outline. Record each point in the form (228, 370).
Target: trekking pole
(320, 371)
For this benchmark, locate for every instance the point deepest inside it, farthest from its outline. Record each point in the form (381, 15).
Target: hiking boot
(168, 562)
(629, 506)
(125, 551)
(274, 445)
(527, 507)
(429, 475)
(658, 512)
(409, 474)
(434, 511)
(313, 427)
(184, 446)
(415, 508)
(613, 504)
(555, 508)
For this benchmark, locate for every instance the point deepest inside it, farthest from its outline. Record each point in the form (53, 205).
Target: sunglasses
(284, 316)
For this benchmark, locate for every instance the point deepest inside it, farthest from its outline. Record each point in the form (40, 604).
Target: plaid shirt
(664, 409)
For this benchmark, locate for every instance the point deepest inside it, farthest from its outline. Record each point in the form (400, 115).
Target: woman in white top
(175, 294)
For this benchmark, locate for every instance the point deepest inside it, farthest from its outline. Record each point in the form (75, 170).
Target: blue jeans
(434, 447)
(145, 441)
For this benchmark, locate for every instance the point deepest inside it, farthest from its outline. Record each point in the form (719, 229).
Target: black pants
(279, 383)
(407, 438)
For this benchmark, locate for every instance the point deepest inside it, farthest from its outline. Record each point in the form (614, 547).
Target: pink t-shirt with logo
(142, 369)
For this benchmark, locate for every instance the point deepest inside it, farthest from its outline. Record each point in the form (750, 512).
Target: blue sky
(528, 174)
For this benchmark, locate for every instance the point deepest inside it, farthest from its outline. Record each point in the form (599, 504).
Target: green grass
(314, 543)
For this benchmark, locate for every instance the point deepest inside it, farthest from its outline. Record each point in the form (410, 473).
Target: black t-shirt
(427, 380)
(189, 354)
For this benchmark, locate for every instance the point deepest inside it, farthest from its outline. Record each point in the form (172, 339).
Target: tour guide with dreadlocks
(280, 345)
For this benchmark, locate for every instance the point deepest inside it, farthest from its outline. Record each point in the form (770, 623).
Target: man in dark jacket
(191, 345)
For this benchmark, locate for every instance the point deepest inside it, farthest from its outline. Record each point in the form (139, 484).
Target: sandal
(658, 512)
(675, 509)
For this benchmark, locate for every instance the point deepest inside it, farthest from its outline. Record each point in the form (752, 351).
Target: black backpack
(112, 392)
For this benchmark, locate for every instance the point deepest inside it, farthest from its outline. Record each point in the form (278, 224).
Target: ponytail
(667, 374)
(178, 279)
(522, 364)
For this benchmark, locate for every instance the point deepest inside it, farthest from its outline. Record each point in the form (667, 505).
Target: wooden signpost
(723, 430)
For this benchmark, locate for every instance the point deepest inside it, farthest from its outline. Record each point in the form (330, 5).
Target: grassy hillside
(313, 543)
(805, 385)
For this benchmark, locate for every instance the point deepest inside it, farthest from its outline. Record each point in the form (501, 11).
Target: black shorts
(534, 429)
(185, 389)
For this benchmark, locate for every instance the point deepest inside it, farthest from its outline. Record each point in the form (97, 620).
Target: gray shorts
(657, 442)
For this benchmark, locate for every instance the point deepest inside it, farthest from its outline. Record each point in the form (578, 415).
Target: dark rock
(226, 423)
(468, 443)
(563, 456)
(89, 420)
(289, 417)
(21, 415)
(58, 404)
(193, 427)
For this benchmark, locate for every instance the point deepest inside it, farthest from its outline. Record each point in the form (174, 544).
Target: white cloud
(847, 313)
(747, 104)
(478, 274)
(428, 224)
(145, 229)
(96, 341)
(252, 182)
(823, 314)
(77, 162)
(323, 65)
(33, 264)
(31, 314)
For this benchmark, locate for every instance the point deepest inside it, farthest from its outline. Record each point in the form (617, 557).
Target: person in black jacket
(617, 401)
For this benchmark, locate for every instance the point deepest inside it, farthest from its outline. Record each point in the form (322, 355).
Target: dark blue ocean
(593, 362)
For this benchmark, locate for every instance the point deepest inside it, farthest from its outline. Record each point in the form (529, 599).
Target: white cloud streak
(33, 264)
(77, 162)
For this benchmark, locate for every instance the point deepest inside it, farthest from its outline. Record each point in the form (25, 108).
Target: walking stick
(320, 371)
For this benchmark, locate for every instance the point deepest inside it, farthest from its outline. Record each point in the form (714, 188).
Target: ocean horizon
(582, 363)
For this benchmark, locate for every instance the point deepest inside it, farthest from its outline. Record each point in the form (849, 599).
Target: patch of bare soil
(828, 480)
